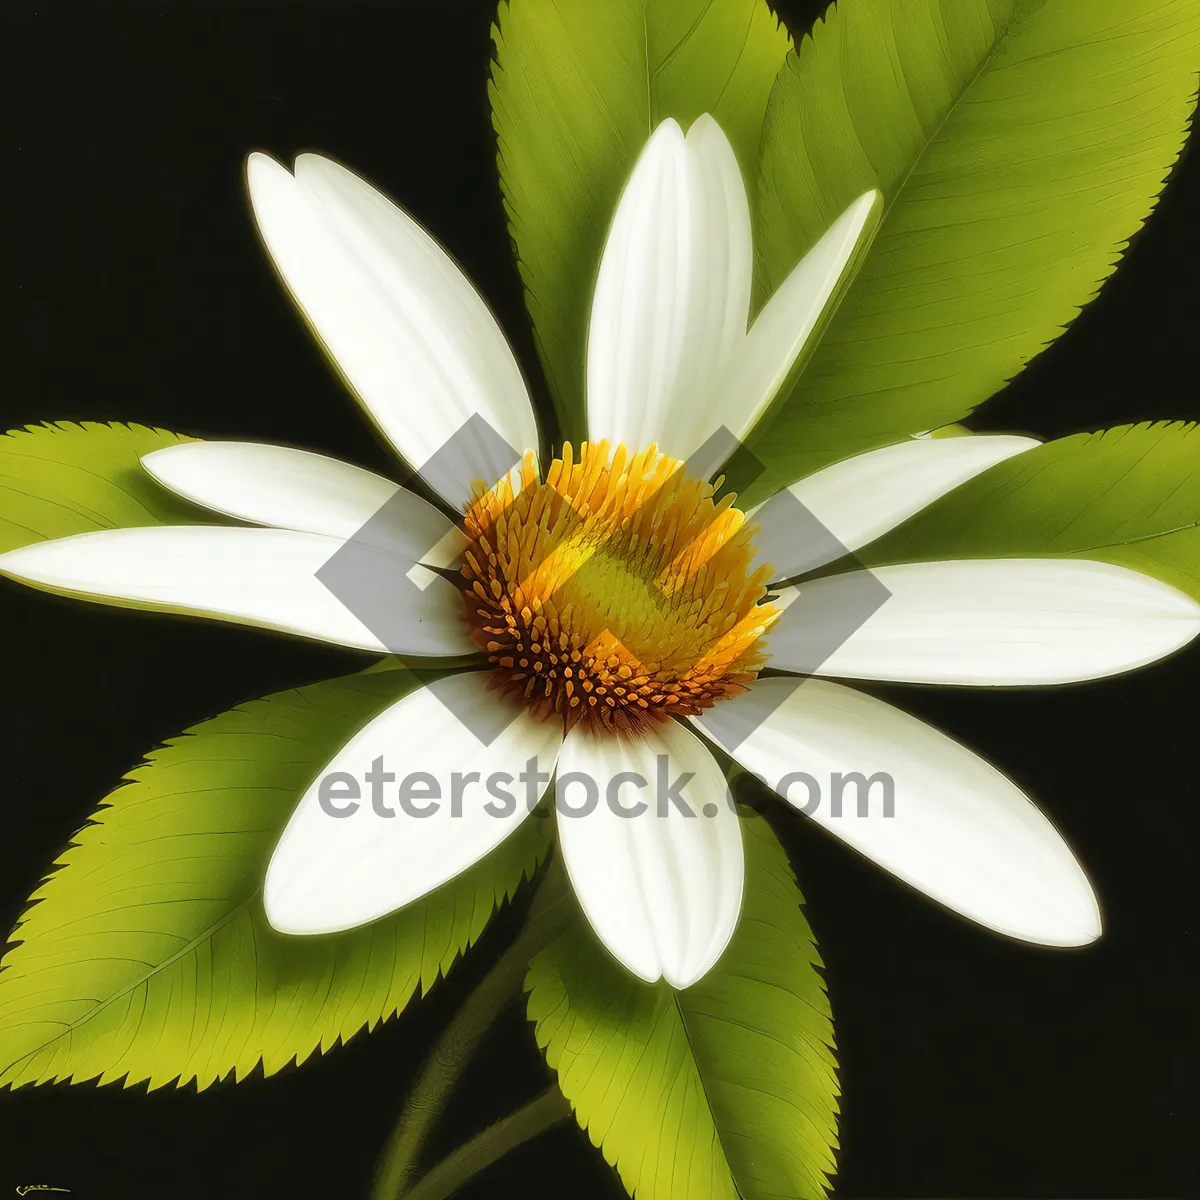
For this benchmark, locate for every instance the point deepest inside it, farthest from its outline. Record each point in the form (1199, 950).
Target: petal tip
(1075, 922)
(283, 911)
(868, 209)
(156, 460)
(1090, 927)
(313, 162)
(707, 143)
(706, 126)
(259, 163)
(647, 974)
(269, 184)
(1075, 936)
(668, 139)
(681, 980)
(14, 563)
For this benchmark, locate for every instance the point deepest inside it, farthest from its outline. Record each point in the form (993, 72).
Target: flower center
(617, 592)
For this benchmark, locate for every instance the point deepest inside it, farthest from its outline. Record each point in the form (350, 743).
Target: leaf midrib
(196, 942)
(687, 1037)
(951, 108)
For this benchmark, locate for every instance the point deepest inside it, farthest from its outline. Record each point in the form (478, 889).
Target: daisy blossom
(615, 606)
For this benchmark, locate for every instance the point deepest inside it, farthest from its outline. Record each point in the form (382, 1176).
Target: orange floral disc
(617, 592)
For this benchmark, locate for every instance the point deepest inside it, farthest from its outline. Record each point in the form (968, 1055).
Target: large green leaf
(726, 1090)
(146, 954)
(61, 479)
(1019, 144)
(1129, 496)
(576, 89)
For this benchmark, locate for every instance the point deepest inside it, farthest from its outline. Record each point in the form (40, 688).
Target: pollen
(617, 592)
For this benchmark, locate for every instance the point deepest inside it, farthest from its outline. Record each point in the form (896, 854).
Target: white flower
(593, 670)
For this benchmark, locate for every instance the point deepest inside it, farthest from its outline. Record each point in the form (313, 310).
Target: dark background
(970, 1065)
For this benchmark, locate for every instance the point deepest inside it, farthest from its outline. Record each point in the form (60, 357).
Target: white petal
(296, 489)
(673, 293)
(959, 831)
(1001, 622)
(330, 872)
(786, 327)
(724, 255)
(662, 890)
(863, 497)
(413, 338)
(273, 485)
(262, 577)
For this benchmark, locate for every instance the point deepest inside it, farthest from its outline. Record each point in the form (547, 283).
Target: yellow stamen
(616, 592)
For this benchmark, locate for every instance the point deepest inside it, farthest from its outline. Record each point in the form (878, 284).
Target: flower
(614, 605)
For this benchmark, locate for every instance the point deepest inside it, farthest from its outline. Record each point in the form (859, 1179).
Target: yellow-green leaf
(146, 953)
(1019, 145)
(60, 479)
(725, 1091)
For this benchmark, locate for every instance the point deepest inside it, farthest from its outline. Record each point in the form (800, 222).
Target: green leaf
(147, 954)
(61, 479)
(576, 89)
(726, 1090)
(1129, 496)
(1019, 145)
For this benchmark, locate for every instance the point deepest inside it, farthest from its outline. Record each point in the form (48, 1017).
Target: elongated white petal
(274, 485)
(672, 297)
(784, 330)
(404, 325)
(662, 889)
(956, 829)
(410, 802)
(863, 497)
(1002, 622)
(724, 254)
(296, 489)
(262, 577)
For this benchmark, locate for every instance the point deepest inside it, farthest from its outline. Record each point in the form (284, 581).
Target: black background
(970, 1065)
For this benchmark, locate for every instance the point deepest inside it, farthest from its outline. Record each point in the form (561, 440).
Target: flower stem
(399, 1161)
(540, 1114)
